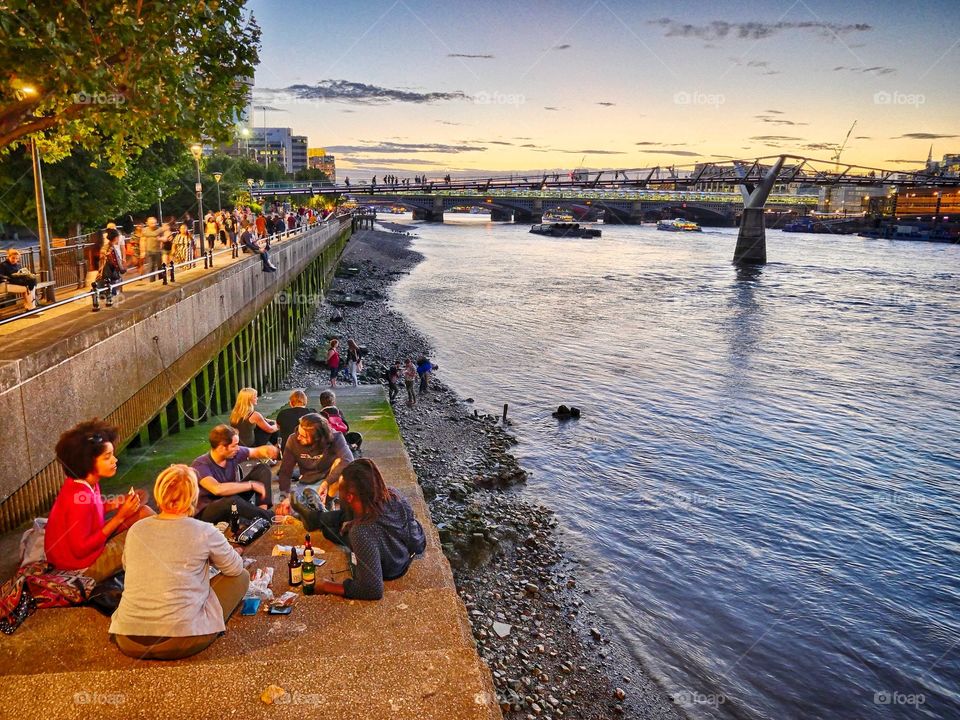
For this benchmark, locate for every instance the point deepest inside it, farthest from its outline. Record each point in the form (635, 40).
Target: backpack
(336, 421)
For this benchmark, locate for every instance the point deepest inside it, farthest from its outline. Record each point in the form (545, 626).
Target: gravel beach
(550, 655)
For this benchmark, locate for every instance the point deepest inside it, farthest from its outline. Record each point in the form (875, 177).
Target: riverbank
(533, 624)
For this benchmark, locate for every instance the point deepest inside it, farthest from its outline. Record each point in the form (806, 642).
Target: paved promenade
(409, 655)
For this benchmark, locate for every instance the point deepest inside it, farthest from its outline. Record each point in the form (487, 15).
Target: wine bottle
(234, 521)
(294, 568)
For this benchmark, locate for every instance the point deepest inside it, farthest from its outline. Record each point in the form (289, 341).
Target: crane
(836, 157)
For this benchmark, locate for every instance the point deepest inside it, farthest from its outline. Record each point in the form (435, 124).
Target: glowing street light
(197, 151)
(43, 231)
(218, 176)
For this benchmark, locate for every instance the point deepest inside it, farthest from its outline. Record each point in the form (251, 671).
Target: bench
(10, 301)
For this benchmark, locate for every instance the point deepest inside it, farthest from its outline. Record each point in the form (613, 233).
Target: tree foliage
(116, 76)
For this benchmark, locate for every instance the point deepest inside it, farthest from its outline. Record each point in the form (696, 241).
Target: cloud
(923, 136)
(606, 104)
(529, 145)
(862, 137)
(468, 55)
(777, 121)
(592, 152)
(774, 112)
(681, 153)
(907, 162)
(347, 91)
(553, 109)
(873, 70)
(447, 122)
(754, 30)
(820, 146)
(395, 147)
(775, 138)
(388, 163)
(565, 46)
(498, 142)
(521, 137)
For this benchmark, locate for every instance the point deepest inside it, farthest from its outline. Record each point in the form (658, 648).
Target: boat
(557, 217)
(678, 225)
(564, 230)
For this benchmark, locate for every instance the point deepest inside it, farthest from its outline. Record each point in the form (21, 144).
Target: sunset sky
(435, 87)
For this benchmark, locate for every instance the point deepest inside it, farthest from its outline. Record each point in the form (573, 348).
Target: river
(763, 487)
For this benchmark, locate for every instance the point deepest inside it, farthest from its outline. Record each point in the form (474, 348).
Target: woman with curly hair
(78, 535)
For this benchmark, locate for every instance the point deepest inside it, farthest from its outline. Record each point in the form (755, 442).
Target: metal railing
(169, 270)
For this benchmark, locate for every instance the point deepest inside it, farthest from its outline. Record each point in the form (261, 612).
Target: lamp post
(43, 230)
(217, 176)
(196, 150)
(246, 142)
(160, 203)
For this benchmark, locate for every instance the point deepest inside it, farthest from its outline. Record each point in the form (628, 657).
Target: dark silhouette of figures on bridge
(346, 181)
(374, 180)
(446, 179)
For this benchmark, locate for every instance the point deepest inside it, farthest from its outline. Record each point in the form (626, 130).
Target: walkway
(410, 655)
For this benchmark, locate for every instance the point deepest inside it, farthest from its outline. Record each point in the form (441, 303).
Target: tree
(121, 75)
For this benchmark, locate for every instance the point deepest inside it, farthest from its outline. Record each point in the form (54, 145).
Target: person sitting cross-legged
(219, 485)
(170, 607)
(384, 536)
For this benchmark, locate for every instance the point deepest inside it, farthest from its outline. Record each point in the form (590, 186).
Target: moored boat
(678, 225)
(572, 230)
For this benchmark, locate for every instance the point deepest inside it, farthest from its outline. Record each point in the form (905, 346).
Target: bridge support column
(500, 215)
(636, 213)
(426, 216)
(752, 239)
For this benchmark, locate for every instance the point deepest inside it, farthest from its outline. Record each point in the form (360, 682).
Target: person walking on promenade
(210, 231)
(354, 361)
(218, 471)
(181, 245)
(261, 226)
(168, 556)
(111, 266)
(78, 535)
(333, 361)
(18, 279)
(409, 378)
(150, 247)
(166, 242)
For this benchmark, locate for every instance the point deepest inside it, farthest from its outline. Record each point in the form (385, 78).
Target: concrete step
(450, 684)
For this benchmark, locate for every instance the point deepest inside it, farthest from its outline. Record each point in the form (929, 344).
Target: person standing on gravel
(409, 378)
(354, 361)
(333, 361)
(393, 380)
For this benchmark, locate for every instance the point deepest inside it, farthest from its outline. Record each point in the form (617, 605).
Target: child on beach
(409, 378)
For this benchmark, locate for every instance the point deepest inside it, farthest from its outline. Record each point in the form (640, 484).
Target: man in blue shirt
(219, 473)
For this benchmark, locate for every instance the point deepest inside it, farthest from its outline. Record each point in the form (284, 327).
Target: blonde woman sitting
(170, 607)
(252, 427)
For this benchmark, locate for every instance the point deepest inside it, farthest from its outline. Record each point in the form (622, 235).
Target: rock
(502, 629)
(596, 634)
(531, 588)
(619, 694)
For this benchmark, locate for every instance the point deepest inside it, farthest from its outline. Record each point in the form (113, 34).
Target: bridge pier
(752, 238)
(500, 215)
(525, 216)
(427, 216)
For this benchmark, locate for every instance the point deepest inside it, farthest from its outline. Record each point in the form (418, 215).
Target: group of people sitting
(170, 608)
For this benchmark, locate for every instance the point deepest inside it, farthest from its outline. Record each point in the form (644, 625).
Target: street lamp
(43, 231)
(197, 150)
(217, 176)
(246, 142)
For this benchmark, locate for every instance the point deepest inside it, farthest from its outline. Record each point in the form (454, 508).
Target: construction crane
(836, 157)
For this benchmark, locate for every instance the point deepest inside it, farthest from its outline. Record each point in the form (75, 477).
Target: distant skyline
(455, 86)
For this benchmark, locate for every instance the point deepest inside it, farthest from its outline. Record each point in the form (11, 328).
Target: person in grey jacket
(319, 452)
(170, 607)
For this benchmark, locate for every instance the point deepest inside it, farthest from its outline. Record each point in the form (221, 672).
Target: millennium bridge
(779, 183)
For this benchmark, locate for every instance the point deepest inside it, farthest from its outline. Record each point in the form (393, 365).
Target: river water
(763, 488)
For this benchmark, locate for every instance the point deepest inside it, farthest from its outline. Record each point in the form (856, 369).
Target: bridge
(634, 194)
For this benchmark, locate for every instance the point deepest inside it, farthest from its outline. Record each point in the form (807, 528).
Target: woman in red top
(77, 536)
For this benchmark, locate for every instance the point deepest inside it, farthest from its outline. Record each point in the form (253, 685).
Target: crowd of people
(158, 244)
(170, 608)
(410, 373)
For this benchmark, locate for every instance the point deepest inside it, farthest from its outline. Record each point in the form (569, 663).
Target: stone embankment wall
(155, 366)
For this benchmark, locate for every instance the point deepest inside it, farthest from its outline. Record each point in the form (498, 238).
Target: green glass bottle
(308, 572)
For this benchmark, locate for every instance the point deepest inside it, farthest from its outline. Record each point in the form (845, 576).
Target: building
(928, 203)
(272, 145)
(319, 160)
(849, 199)
(298, 145)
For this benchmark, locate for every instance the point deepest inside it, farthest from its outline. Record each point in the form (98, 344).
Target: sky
(419, 86)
